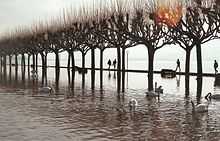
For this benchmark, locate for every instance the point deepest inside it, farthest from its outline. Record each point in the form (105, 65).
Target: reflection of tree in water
(178, 80)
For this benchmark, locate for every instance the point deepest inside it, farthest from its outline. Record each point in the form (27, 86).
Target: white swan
(47, 89)
(210, 96)
(133, 103)
(200, 108)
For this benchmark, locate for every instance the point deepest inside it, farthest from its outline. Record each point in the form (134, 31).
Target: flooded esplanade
(46, 98)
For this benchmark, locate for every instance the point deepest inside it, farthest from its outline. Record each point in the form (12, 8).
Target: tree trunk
(199, 59)
(10, 67)
(57, 67)
(36, 62)
(23, 67)
(123, 69)
(73, 70)
(119, 69)
(150, 69)
(93, 68)
(101, 68)
(29, 56)
(43, 67)
(83, 60)
(73, 61)
(187, 65)
(16, 67)
(5, 66)
(33, 65)
(1, 65)
(69, 58)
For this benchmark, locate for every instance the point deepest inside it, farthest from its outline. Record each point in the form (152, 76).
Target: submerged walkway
(145, 71)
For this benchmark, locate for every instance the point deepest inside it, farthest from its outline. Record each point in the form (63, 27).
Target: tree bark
(36, 62)
(150, 69)
(5, 66)
(83, 60)
(10, 67)
(187, 65)
(93, 68)
(43, 67)
(101, 68)
(119, 69)
(23, 67)
(73, 70)
(16, 67)
(69, 58)
(123, 69)
(199, 59)
(33, 65)
(57, 67)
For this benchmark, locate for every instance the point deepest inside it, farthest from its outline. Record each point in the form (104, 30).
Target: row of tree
(117, 24)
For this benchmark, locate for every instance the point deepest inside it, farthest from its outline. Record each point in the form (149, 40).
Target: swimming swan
(47, 89)
(159, 90)
(209, 96)
(200, 108)
(152, 94)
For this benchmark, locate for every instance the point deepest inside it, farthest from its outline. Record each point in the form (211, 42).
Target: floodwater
(103, 115)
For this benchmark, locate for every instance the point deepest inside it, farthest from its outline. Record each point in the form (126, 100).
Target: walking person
(114, 63)
(216, 66)
(178, 65)
(109, 63)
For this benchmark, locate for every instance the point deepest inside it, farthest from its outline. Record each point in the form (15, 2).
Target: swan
(200, 108)
(209, 96)
(47, 89)
(133, 103)
(152, 94)
(159, 89)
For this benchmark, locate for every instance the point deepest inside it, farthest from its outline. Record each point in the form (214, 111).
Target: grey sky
(14, 13)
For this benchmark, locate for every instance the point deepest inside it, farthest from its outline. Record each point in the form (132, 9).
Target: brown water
(87, 115)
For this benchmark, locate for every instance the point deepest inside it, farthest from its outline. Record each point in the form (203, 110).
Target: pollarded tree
(144, 29)
(199, 26)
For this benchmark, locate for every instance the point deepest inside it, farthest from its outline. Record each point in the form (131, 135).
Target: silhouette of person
(114, 63)
(216, 67)
(109, 63)
(178, 65)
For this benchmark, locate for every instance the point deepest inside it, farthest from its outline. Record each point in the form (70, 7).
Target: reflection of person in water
(178, 81)
(109, 75)
(114, 76)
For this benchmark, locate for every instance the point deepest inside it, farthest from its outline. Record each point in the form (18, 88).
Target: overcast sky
(14, 13)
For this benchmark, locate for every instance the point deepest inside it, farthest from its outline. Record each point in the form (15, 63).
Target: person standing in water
(216, 66)
(114, 63)
(109, 63)
(178, 65)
